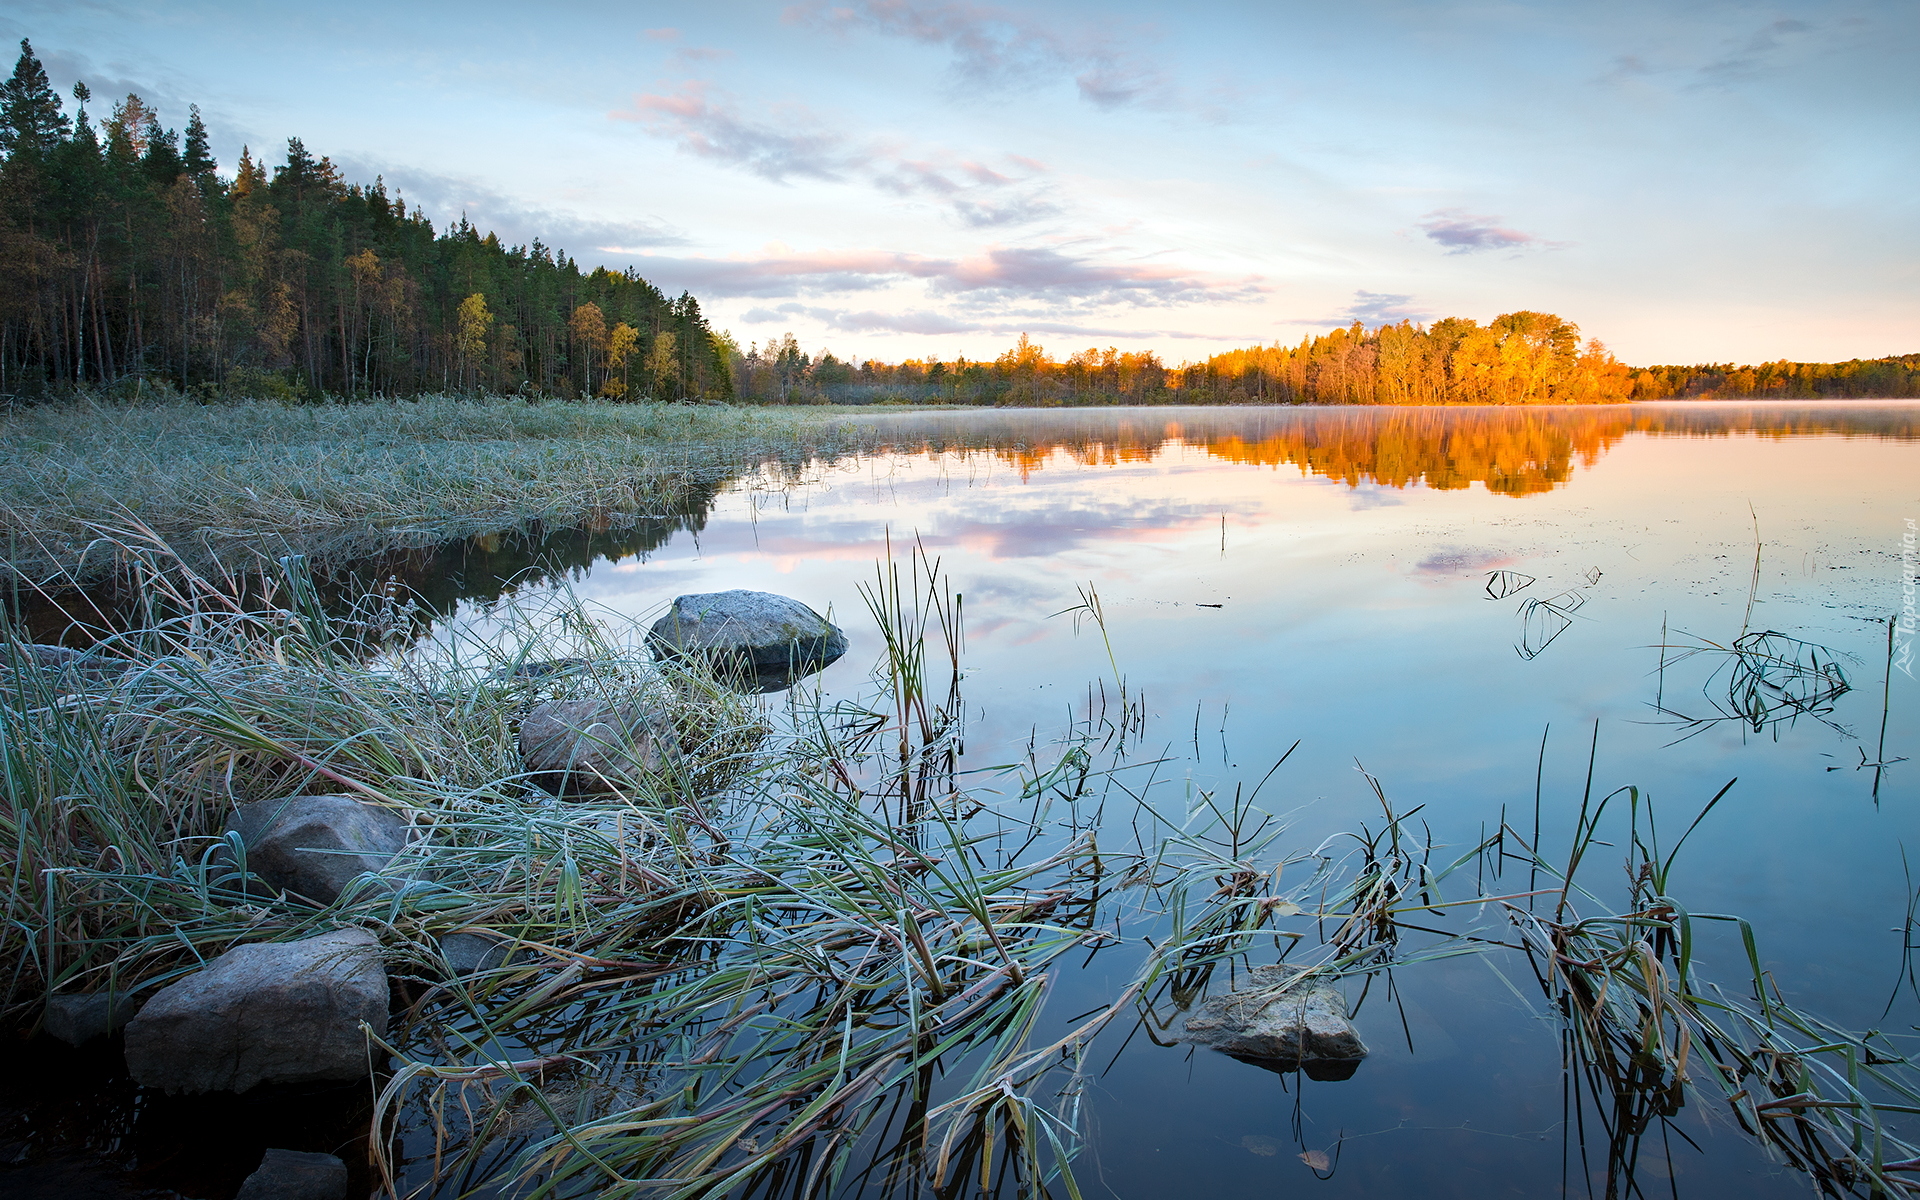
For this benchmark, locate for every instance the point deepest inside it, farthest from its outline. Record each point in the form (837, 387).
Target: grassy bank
(361, 478)
(800, 944)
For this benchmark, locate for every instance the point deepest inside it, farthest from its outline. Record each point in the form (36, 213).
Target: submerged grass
(368, 476)
(806, 946)
(809, 955)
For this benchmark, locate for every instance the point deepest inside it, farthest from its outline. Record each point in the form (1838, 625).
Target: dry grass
(370, 476)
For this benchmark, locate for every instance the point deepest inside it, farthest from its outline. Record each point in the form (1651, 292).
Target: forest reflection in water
(1511, 451)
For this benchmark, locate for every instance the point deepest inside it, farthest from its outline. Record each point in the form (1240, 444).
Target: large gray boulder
(765, 641)
(313, 846)
(296, 1175)
(1282, 1022)
(593, 745)
(287, 1012)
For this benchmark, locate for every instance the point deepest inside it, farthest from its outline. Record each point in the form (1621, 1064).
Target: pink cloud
(992, 277)
(1464, 233)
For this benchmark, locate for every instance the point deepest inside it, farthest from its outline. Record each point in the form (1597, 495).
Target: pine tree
(162, 161)
(32, 121)
(198, 159)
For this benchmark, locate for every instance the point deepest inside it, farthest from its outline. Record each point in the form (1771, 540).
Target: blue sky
(1687, 181)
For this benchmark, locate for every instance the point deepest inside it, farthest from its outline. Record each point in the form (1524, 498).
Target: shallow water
(1348, 553)
(1326, 576)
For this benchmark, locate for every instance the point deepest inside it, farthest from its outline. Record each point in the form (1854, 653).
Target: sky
(1686, 181)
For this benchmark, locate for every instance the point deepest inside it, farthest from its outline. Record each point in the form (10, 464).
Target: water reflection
(1374, 451)
(1370, 630)
(1511, 451)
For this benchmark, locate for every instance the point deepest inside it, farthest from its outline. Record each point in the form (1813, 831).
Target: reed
(813, 952)
(808, 946)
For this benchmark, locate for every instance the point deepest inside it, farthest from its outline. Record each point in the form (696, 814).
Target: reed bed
(810, 954)
(360, 478)
(806, 946)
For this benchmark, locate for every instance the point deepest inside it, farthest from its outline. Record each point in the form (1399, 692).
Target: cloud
(994, 277)
(714, 129)
(1370, 308)
(994, 48)
(1752, 55)
(1738, 60)
(925, 322)
(168, 97)
(1037, 272)
(1383, 308)
(446, 198)
(796, 145)
(1464, 233)
(843, 321)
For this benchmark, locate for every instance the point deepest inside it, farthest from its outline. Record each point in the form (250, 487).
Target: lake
(1474, 607)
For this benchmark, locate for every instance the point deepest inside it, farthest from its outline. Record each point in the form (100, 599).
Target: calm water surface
(1322, 576)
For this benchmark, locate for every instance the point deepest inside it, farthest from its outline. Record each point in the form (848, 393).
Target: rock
(287, 1012)
(768, 641)
(69, 667)
(47, 658)
(590, 745)
(295, 1175)
(77, 1020)
(470, 954)
(1282, 1024)
(313, 846)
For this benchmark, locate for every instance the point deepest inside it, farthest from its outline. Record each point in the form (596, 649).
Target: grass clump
(800, 950)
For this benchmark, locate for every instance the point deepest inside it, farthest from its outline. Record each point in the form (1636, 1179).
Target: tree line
(126, 256)
(1518, 358)
(1893, 377)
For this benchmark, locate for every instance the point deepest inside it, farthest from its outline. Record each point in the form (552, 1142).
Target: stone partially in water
(69, 668)
(77, 1020)
(766, 641)
(591, 745)
(1282, 1023)
(469, 953)
(286, 1012)
(296, 1175)
(313, 846)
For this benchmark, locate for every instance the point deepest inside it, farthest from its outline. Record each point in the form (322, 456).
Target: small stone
(286, 1012)
(476, 953)
(1281, 1023)
(314, 846)
(77, 1020)
(589, 745)
(770, 641)
(296, 1175)
(46, 657)
(69, 667)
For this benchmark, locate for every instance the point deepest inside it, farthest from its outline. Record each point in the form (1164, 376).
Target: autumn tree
(470, 340)
(622, 340)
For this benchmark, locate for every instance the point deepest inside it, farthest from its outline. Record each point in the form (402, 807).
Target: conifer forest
(126, 253)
